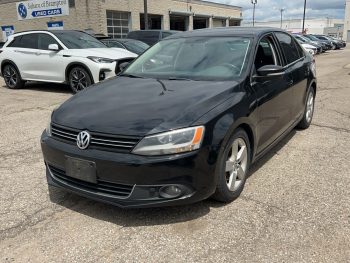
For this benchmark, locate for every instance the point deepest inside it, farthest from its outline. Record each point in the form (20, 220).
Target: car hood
(130, 106)
(112, 53)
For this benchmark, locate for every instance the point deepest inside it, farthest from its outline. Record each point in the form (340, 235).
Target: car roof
(47, 31)
(228, 31)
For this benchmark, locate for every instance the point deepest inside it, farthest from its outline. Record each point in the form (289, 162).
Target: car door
(50, 65)
(296, 64)
(274, 96)
(24, 54)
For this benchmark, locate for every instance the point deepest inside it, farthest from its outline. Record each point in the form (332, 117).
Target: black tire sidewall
(70, 77)
(222, 192)
(20, 82)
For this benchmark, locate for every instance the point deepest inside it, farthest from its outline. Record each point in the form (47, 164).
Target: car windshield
(137, 47)
(312, 38)
(194, 58)
(78, 40)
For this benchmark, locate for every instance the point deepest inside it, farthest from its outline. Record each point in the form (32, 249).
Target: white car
(60, 56)
(309, 48)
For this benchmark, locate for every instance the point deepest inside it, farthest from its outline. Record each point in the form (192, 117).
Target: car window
(16, 42)
(136, 46)
(114, 44)
(196, 58)
(78, 40)
(149, 37)
(266, 53)
(44, 40)
(166, 34)
(29, 41)
(289, 47)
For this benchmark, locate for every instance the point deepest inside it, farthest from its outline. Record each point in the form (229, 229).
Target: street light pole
(145, 14)
(254, 2)
(303, 31)
(282, 10)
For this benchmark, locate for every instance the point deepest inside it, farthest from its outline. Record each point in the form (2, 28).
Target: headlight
(177, 141)
(101, 60)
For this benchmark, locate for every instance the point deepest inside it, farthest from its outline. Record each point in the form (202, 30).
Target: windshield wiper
(178, 78)
(131, 76)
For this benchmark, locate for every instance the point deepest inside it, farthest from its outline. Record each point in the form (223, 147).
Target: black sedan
(184, 121)
(135, 46)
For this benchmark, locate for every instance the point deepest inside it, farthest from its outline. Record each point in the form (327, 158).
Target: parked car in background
(304, 40)
(135, 46)
(309, 48)
(59, 56)
(334, 44)
(327, 44)
(150, 37)
(180, 128)
(342, 42)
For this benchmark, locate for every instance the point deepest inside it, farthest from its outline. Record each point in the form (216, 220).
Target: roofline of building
(208, 3)
(293, 20)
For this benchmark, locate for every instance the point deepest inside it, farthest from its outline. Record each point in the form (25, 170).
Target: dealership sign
(42, 8)
(7, 31)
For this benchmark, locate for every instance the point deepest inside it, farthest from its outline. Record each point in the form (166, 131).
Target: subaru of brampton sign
(42, 8)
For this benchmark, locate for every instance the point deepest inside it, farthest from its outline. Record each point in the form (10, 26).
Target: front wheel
(233, 166)
(309, 110)
(79, 79)
(12, 77)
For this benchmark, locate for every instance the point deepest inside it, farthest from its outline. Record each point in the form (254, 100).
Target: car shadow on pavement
(148, 216)
(48, 87)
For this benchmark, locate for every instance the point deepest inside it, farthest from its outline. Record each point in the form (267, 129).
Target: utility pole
(303, 31)
(254, 2)
(145, 14)
(282, 10)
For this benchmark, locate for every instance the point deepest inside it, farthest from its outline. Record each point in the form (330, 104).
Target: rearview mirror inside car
(54, 47)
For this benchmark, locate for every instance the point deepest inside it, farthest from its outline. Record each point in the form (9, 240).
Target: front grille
(102, 187)
(98, 140)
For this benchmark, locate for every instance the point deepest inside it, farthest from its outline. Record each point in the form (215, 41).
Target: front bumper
(128, 180)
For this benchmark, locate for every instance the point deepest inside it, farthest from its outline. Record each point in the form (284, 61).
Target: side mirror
(270, 72)
(123, 66)
(54, 47)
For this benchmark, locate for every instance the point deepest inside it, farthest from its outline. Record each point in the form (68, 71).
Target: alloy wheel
(79, 80)
(10, 76)
(236, 164)
(310, 107)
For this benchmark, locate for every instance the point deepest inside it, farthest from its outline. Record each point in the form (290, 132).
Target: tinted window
(29, 41)
(149, 37)
(289, 47)
(166, 34)
(45, 40)
(16, 42)
(135, 46)
(266, 53)
(114, 44)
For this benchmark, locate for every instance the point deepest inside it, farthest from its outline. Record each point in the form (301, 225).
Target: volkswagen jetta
(184, 121)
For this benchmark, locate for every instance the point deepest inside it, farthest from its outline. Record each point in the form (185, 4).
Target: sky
(268, 10)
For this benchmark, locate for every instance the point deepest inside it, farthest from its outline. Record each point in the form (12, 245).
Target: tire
(233, 167)
(308, 111)
(79, 79)
(12, 77)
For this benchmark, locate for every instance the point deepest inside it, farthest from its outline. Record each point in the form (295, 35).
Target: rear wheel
(309, 110)
(12, 77)
(233, 166)
(79, 79)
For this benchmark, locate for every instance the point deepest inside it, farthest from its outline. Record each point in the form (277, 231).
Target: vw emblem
(22, 10)
(83, 140)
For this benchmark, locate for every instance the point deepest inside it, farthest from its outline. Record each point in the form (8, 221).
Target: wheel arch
(72, 65)
(6, 62)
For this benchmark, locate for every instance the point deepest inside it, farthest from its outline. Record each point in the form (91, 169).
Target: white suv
(60, 56)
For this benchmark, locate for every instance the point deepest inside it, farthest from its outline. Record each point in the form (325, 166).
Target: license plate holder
(81, 169)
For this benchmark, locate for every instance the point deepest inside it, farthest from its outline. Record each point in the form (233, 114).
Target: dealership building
(116, 17)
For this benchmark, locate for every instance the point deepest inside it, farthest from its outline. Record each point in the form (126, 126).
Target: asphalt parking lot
(295, 206)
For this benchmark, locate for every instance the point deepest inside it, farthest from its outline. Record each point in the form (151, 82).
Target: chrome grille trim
(98, 140)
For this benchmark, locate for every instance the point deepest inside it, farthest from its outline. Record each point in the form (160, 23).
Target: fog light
(102, 76)
(170, 191)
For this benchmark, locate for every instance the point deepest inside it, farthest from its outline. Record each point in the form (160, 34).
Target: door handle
(37, 53)
(291, 82)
